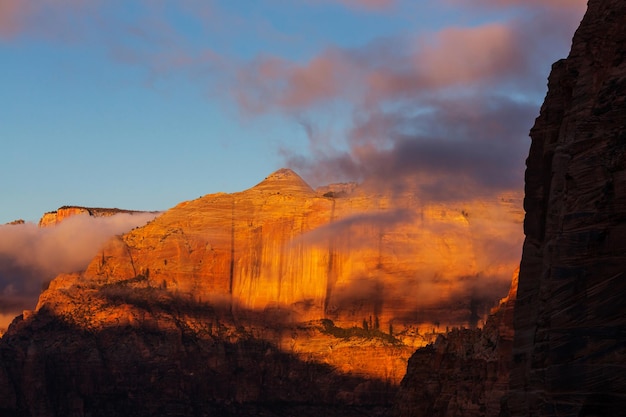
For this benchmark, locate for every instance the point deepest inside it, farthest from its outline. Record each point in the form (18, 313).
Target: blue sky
(142, 104)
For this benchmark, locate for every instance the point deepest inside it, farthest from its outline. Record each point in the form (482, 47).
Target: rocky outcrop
(465, 373)
(52, 218)
(569, 357)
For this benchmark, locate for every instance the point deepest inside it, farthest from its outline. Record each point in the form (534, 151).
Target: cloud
(376, 73)
(370, 5)
(58, 19)
(448, 112)
(577, 5)
(11, 15)
(489, 55)
(353, 225)
(30, 256)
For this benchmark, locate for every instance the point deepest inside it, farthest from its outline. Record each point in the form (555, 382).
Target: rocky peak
(284, 181)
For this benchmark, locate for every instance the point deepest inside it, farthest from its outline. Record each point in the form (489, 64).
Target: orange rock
(383, 260)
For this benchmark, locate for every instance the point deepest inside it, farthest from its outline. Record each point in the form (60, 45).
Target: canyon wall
(386, 260)
(277, 300)
(569, 356)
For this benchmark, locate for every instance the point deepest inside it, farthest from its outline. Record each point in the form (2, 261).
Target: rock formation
(281, 246)
(277, 296)
(569, 357)
(15, 222)
(52, 218)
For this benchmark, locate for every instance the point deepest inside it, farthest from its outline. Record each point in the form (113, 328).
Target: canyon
(352, 301)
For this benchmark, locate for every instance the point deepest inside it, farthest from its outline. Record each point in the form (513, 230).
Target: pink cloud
(361, 4)
(451, 57)
(12, 13)
(579, 5)
(273, 81)
(52, 18)
(369, 4)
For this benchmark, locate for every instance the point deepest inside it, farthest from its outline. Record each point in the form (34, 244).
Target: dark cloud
(454, 150)
(447, 112)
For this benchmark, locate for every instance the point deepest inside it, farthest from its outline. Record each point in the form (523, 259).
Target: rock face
(282, 247)
(464, 373)
(278, 300)
(569, 356)
(53, 218)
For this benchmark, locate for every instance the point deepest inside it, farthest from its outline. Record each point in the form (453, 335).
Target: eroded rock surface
(371, 260)
(569, 351)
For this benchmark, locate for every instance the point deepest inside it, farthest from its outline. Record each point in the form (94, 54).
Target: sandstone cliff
(277, 296)
(280, 246)
(569, 357)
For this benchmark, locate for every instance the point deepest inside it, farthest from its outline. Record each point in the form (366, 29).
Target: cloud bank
(30, 256)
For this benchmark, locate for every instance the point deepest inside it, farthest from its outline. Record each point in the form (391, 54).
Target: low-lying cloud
(30, 256)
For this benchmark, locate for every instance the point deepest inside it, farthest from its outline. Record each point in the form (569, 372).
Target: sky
(141, 104)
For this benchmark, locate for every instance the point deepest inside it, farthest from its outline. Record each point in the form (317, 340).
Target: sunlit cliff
(279, 294)
(353, 258)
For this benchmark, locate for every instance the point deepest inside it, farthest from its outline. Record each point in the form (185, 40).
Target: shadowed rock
(569, 357)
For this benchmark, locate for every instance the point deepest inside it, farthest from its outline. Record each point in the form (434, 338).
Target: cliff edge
(569, 357)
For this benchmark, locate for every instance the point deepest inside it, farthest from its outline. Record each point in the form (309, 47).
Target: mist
(31, 256)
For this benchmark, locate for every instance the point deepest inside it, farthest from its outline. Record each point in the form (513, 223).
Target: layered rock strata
(370, 260)
(569, 356)
(277, 296)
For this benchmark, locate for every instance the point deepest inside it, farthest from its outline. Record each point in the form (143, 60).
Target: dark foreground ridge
(180, 358)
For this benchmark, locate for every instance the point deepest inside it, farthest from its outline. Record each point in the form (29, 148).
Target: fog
(30, 255)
